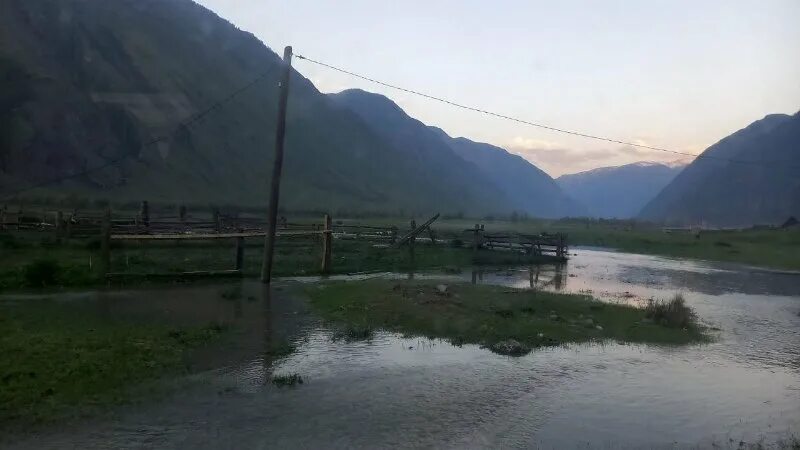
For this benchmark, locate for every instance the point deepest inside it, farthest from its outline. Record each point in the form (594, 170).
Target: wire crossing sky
(676, 75)
(523, 121)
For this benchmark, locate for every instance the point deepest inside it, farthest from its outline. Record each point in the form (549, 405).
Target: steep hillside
(618, 192)
(749, 177)
(88, 84)
(529, 188)
(481, 170)
(433, 158)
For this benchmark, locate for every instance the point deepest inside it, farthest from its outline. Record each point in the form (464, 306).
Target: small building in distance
(791, 222)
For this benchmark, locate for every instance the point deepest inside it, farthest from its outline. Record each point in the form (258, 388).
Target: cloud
(557, 159)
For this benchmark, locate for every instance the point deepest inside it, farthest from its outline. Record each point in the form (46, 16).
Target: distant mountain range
(618, 192)
(97, 98)
(474, 169)
(91, 84)
(750, 177)
(530, 189)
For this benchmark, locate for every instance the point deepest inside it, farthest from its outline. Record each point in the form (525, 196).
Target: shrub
(287, 380)
(456, 243)
(673, 313)
(41, 273)
(353, 333)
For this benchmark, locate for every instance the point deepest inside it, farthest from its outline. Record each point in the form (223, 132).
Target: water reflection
(392, 391)
(540, 276)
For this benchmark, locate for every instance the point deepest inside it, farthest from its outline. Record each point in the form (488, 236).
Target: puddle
(391, 391)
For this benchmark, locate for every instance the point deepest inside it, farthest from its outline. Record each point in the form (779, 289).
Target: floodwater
(394, 392)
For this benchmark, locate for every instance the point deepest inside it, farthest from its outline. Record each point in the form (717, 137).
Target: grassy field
(62, 360)
(35, 260)
(775, 248)
(491, 315)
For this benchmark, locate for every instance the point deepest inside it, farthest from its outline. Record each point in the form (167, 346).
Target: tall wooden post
(3, 217)
(327, 240)
(393, 233)
(105, 242)
(277, 167)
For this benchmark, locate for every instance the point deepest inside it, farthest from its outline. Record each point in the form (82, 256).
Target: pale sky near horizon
(670, 73)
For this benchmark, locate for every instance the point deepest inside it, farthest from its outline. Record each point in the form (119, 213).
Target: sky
(665, 73)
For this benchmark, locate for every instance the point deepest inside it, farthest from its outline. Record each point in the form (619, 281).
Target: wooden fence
(142, 228)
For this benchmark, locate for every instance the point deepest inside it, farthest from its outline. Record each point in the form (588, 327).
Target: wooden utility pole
(277, 167)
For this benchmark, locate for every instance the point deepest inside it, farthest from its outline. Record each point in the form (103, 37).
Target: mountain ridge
(507, 179)
(106, 79)
(618, 191)
(749, 177)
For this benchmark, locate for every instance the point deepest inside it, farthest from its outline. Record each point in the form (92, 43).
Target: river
(396, 392)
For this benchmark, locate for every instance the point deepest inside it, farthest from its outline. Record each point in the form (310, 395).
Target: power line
(515, 119)
(192, 120)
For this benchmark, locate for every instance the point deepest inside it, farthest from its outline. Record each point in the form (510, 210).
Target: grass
(353, 333)
(490, 316)
(62, 360)
(673, 313)
(31, 264)
(287, 380)
(36, 260)
(775, 248)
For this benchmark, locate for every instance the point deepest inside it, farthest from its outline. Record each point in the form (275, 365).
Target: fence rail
(142, 228)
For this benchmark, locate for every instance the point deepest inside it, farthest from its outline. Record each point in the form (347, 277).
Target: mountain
(750, 177)
(94, 84)
(530, 189)
(507, 180)
(433, 159)
(618, 192)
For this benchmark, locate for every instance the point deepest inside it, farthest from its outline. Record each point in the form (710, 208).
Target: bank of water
(391, 391)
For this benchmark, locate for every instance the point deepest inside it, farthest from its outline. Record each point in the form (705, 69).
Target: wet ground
(395, 392)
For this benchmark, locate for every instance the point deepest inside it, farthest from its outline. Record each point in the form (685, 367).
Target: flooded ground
(395, 392)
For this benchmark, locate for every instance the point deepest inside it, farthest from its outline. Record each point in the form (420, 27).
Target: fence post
(216, 219)
(411, 242)
(182, 213)
(432, 235)
(327, 240)
(105, 242)
(239, 253)
(68, 227)
(475, 239)
(144, 212)
(59, 223)
(3, 218)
